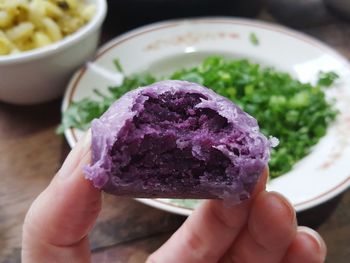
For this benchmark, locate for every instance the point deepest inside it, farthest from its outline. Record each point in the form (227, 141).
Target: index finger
(208, 232)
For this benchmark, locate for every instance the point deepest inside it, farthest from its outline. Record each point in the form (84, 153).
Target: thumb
(58, 222)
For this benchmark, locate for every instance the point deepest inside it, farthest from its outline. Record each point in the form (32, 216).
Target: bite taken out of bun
(177, 139)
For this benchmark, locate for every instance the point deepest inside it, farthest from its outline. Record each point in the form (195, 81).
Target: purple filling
(177, 139)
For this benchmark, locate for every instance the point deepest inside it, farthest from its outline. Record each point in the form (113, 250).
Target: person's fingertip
(261, 184)
(272, 221)
(276, 199)
(307, 246)
(264, 177)
(267, 171)
(315, 240)
(270, 230)
(74, 157)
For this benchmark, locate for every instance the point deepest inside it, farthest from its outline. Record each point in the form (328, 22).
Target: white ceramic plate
(164, 47)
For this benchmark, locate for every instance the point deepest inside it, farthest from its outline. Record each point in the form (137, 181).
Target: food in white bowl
(160, 49)
(26, 25)
(40, 74)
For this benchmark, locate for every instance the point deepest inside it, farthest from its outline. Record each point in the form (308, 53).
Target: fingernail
(316, 239)
(86, 143)
(75, 155)
(265, 175)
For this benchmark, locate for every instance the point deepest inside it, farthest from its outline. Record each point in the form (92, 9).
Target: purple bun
(176, 139)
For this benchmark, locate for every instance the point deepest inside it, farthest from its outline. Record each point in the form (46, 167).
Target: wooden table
(127, 231)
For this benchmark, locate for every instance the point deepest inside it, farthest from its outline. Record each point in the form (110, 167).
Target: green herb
(118, 66)
(326, 79)
(253, 39)
(81, 113)
(296, 113)
(189, 203)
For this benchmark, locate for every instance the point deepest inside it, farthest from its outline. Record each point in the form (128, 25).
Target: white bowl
(41, 74)
(162, 48)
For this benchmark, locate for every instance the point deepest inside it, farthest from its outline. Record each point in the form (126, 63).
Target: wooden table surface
(126, 231)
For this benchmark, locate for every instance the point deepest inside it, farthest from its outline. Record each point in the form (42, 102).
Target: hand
(262, 229)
